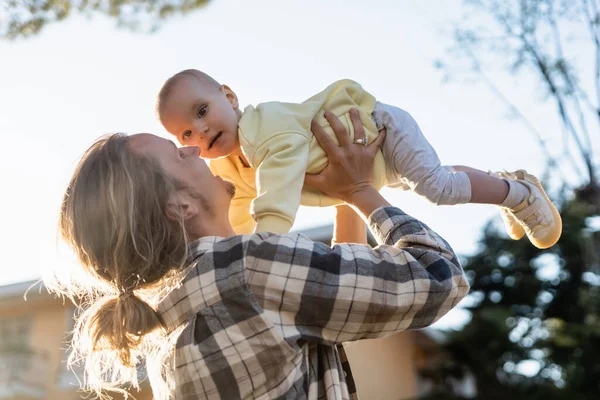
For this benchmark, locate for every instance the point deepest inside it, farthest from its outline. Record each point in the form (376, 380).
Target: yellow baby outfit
(276, 140)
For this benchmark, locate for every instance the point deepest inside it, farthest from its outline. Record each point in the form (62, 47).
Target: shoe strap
(527, 212)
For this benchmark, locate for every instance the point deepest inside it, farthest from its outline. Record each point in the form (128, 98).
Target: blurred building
(33, 346)
(34, 336)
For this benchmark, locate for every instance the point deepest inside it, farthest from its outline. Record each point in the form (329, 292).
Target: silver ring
(362, 141)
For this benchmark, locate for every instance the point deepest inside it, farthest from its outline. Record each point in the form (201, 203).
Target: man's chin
(229, 187)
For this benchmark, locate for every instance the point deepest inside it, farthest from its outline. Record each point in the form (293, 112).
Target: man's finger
(359, 129)
(340, 130)
(378, 142)
(313, 180)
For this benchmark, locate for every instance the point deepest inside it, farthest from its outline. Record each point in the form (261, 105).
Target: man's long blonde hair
(113, 217)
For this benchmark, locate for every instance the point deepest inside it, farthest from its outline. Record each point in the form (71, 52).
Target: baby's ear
(231, 96)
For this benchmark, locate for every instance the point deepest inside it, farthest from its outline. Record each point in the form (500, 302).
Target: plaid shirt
(264, 312)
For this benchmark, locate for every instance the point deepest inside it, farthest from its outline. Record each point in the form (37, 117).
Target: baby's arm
(281, 165)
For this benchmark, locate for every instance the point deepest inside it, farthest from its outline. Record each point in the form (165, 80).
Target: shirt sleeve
(351, 291)
(281, 164)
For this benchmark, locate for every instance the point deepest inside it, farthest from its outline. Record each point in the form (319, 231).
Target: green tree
(25, 18)
(529, 307)
(553, 44)
(534, 326)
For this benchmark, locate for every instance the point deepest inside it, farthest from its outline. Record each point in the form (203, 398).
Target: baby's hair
(169, 85)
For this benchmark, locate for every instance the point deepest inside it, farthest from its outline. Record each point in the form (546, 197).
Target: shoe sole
(553, 235)
(517, 231)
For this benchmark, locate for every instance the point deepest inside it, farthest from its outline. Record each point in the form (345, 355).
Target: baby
(266, 151)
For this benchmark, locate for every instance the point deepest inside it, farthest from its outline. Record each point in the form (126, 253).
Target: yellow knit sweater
(277, 141)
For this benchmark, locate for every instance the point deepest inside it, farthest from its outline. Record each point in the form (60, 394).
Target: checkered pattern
(264, 312)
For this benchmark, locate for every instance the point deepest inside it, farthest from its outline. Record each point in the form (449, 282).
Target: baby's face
(200, 114)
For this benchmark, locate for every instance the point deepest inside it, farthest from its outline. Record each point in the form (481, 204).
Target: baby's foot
(513, 227)
(537, 215)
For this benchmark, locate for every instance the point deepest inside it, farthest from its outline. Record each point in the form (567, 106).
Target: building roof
(30, 289)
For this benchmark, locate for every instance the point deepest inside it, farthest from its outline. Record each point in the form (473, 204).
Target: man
(255, 316)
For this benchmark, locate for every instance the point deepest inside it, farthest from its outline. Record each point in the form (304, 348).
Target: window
(15, 346)
(73, 376)
(15, 334)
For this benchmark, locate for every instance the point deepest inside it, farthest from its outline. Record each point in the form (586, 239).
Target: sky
(83, 77)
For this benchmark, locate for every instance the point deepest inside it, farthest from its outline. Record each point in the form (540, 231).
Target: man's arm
(349, 227)
(351, 292)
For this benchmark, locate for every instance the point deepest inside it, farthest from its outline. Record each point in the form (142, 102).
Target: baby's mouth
(214, 140)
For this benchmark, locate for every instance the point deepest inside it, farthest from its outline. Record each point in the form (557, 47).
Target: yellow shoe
(513, 227)
(537, 215)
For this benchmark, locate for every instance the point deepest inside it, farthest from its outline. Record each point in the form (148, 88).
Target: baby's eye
(202, 111)
(187, 134)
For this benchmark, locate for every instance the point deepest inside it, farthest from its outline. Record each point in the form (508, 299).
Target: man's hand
(350, 164)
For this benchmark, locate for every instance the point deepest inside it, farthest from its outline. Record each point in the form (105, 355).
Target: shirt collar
(172, 307)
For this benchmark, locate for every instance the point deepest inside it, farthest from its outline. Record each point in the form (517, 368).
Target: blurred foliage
(534, 328)
(529, 307)
(25, 18)
(552, 46)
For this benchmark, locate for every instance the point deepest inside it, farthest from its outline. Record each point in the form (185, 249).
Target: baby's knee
(445, 186)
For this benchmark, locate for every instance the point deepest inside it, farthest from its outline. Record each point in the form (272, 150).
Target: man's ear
(180, 206)
(231, 96)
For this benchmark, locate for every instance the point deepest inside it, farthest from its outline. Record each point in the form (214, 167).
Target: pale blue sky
(82, 78)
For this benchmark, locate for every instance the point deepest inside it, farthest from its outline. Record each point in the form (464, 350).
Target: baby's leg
(412, 163)
(485, 188)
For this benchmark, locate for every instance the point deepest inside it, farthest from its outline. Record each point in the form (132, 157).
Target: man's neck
(206, 225)
(214, 231)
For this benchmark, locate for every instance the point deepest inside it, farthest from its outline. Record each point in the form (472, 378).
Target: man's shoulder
(217, 244)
